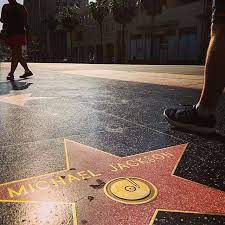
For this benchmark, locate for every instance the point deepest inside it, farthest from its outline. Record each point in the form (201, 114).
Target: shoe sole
(190, 127)
(26, 76)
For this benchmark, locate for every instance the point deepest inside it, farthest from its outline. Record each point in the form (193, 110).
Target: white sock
(204, 112)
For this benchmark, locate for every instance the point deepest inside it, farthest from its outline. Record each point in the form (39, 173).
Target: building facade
(178, 33)
(47, 44)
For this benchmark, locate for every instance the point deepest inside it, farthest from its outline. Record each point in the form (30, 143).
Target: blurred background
(118, 31)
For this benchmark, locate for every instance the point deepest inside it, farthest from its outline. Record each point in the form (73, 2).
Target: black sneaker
(26, 74)
(190, 120)
(10, 77)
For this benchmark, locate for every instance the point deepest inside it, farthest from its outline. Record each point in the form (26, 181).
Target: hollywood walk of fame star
(87, 173)
(20, 100)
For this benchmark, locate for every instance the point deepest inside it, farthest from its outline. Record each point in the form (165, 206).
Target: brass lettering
(42, 185)
(57, 182)
(140, 161)
(158, 156)
(150, 160)
(72, 178)
(31, 188)
(83, 175)
(167, 154)
(13, 193)
(114, 168)
(122, 166)
(132, 163)
(93, 174)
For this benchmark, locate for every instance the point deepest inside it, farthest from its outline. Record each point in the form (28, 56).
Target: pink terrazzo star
(87, 171)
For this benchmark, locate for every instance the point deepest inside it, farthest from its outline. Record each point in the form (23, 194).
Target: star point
(21, 99)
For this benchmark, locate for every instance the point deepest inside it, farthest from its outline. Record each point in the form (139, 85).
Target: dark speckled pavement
(53, 125)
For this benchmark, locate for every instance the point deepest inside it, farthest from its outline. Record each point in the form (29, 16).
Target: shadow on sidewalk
(213, 137)
(6, 86)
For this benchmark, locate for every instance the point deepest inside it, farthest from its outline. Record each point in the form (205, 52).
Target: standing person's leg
(201, 117)
(214, 71)
(14, 61)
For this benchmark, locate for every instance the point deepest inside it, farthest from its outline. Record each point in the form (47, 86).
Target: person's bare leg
(14, 59)
(214, 71)
(22, 60)
(23, 63)
(201, 118)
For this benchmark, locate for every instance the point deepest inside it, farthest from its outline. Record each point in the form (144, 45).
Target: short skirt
(16, 39)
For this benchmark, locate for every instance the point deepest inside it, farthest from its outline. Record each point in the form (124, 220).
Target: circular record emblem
(130, 190)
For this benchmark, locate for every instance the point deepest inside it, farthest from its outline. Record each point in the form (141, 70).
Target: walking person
(201, 117)
(15, 30)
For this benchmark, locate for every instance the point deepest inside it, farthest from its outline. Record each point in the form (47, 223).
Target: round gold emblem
(130, 190)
